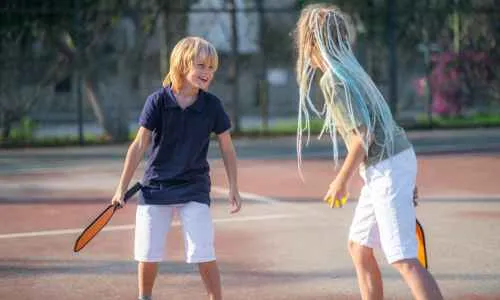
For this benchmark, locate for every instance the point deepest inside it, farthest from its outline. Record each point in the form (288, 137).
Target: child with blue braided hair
(355, 108)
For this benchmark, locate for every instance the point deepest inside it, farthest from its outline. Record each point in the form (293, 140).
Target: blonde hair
(327, 32)
(306, 37)
(183, 56)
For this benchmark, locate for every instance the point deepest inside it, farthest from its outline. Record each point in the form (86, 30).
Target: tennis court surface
(285, 244)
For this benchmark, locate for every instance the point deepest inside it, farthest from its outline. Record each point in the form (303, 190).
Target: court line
(216, 189)
(250, 196)
(131, 226)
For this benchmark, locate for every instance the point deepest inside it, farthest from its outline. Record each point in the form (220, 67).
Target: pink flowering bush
(453, 81)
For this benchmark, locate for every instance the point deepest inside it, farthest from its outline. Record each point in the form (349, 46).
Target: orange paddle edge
(102, 219)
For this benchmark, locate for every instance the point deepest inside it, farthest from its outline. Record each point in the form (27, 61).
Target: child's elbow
(141, 142)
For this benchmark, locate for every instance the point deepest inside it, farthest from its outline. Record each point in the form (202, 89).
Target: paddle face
(93, 229)
(98, 224)
(422, 250)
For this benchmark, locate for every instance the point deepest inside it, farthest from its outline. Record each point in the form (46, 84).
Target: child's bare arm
(134, 156)
(337, 191)
(229, 158)
(354, 158)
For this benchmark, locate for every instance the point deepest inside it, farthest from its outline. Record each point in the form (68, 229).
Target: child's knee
(207, 264)
(147, 266)
(359, 253)
(407, 266)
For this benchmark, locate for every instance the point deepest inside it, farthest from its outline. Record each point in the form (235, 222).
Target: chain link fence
(84, 67)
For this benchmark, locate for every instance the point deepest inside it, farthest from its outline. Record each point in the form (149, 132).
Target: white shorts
(153, 224)
(385, 215)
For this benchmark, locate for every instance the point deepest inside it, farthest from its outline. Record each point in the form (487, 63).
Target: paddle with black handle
(102, 219)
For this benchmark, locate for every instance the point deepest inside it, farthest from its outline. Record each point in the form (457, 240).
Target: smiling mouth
(204, 80)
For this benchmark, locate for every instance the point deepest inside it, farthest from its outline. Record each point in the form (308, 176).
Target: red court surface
(285, 244)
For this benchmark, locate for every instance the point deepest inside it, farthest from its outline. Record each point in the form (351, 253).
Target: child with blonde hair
(355, 109)
(176, 123)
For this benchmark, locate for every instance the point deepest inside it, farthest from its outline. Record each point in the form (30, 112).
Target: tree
(23, 62)
(465, 30)
(101, 40)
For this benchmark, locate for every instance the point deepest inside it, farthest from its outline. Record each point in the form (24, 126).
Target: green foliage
(24, 130)
(64, 141)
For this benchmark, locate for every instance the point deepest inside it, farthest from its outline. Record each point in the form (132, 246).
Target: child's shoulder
(158, 93)
(157, 96)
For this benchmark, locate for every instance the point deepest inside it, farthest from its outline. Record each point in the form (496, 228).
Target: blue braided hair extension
(333, 34)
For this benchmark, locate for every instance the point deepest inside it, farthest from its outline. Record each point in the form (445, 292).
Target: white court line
(131, 226)
(250, 196)
(216, 189)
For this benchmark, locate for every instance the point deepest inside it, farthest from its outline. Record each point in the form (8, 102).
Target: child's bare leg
(367, 271)
(210, 275)
(146, 276)
(420, 281)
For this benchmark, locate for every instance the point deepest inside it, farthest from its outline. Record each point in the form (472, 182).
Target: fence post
(393, 60)
(76, 84)
(263, 87)
(235, 114)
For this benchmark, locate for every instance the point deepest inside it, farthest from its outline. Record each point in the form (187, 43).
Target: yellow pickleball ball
(336, 203)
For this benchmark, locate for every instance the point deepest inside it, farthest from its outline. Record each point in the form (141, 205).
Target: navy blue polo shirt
(177, 169)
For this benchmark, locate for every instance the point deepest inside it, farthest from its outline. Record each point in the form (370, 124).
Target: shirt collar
(196, 106)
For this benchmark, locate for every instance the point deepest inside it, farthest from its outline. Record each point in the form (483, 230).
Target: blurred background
(79, 71)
